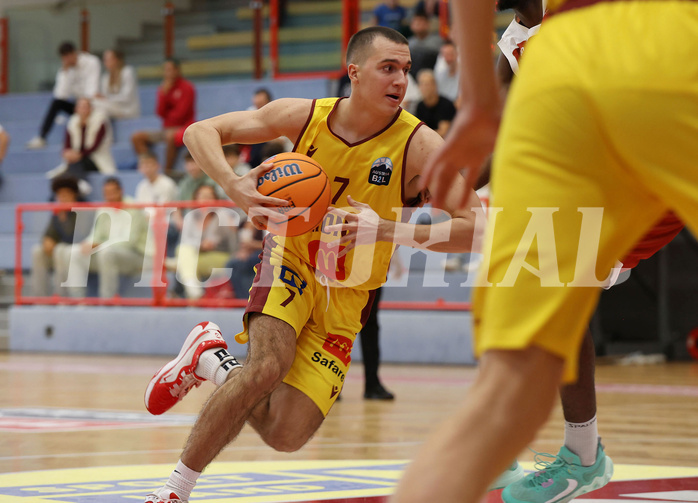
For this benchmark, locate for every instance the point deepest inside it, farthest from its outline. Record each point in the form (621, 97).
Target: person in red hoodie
(176, 106)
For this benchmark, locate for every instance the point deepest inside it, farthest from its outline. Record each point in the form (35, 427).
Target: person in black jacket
(53, 253)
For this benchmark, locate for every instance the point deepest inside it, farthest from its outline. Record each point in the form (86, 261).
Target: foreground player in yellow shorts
(597, 142)
(312, 291)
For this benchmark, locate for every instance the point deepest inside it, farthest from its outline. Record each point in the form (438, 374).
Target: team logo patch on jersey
(381, 170)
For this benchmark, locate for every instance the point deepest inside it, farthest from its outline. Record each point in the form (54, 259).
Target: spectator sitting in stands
(277, 146)
(118, 96)
(261, 97)
(391, 15)
(434, 110)
(4, 143)
(343, 89)
(77, 78)
(187, 186)
(87, 146)
(155, 187)
(192, 180)
(54, 251)
(429, 8)
(232, 155)
(446, 71)
(208, 239)
(412, 95)
(250, 243)
(176, 106)
(118, 258)
(424, 45)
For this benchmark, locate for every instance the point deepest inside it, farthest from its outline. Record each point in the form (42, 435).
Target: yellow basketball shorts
(326, 321)
(599, 138)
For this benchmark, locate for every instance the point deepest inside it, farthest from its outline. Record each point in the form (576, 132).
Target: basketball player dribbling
(582, 456)
(312, 291)
(602, 116)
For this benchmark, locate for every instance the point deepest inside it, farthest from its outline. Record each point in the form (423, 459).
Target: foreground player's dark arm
(484, 176)
(505, 75)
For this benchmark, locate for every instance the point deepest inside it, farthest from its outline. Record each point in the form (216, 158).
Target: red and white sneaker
(162, 497)
(173, 381)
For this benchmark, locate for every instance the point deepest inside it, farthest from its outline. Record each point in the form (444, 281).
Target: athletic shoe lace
(188, 382)
(546, 470)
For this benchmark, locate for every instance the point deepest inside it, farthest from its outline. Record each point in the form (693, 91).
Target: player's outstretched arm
(462, 233)
(204, 139)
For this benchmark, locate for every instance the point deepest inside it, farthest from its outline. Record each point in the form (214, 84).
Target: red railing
(444, 21)
(85, 30)
(4, 54)
(351, 19)
(169, 29)
(350, 24)
(159, 276)
(258, 44)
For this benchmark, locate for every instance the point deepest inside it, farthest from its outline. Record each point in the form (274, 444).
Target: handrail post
(444, 26)
(274, 37)
(85, 30)
(4, 55)
(168, 14)
(19, 280)
(258, 7)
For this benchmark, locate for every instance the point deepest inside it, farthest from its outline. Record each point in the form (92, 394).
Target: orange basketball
(304, 184)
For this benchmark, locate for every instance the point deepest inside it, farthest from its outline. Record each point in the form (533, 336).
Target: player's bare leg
(514, 392)
(171, 150)
(271, 353)
(141, 142)
(286, 419)
(203, 357)
(579, 399)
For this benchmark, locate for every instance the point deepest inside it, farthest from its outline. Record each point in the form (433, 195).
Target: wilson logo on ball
(280, 172)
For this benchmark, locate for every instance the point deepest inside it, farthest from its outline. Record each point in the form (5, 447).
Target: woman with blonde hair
(118, 96)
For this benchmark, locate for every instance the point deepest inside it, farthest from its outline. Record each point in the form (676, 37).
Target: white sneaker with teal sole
(561, 480)
(512, 474)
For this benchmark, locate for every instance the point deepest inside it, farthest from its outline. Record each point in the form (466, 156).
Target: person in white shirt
(155, 187)
(446, 71)
(88, 141)
(113, 259)
(78, 77)
(118, 94)
(4, 143)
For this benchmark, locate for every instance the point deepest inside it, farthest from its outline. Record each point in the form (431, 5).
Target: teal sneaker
(561, 480)
(512, 474)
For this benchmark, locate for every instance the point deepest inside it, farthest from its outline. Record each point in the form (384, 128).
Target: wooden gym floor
(77, 411)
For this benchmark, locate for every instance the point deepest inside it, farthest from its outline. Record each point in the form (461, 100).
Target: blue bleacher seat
(24, 171)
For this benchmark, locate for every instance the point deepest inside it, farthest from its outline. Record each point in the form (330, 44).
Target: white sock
(583, 439)
(182, 481)
(215, 365)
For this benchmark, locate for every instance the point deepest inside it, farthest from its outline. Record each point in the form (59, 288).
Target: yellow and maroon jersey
(371, 171)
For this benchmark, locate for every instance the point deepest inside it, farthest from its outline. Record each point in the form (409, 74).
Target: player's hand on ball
(359, 228)
(243, 191)
(469, 141)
